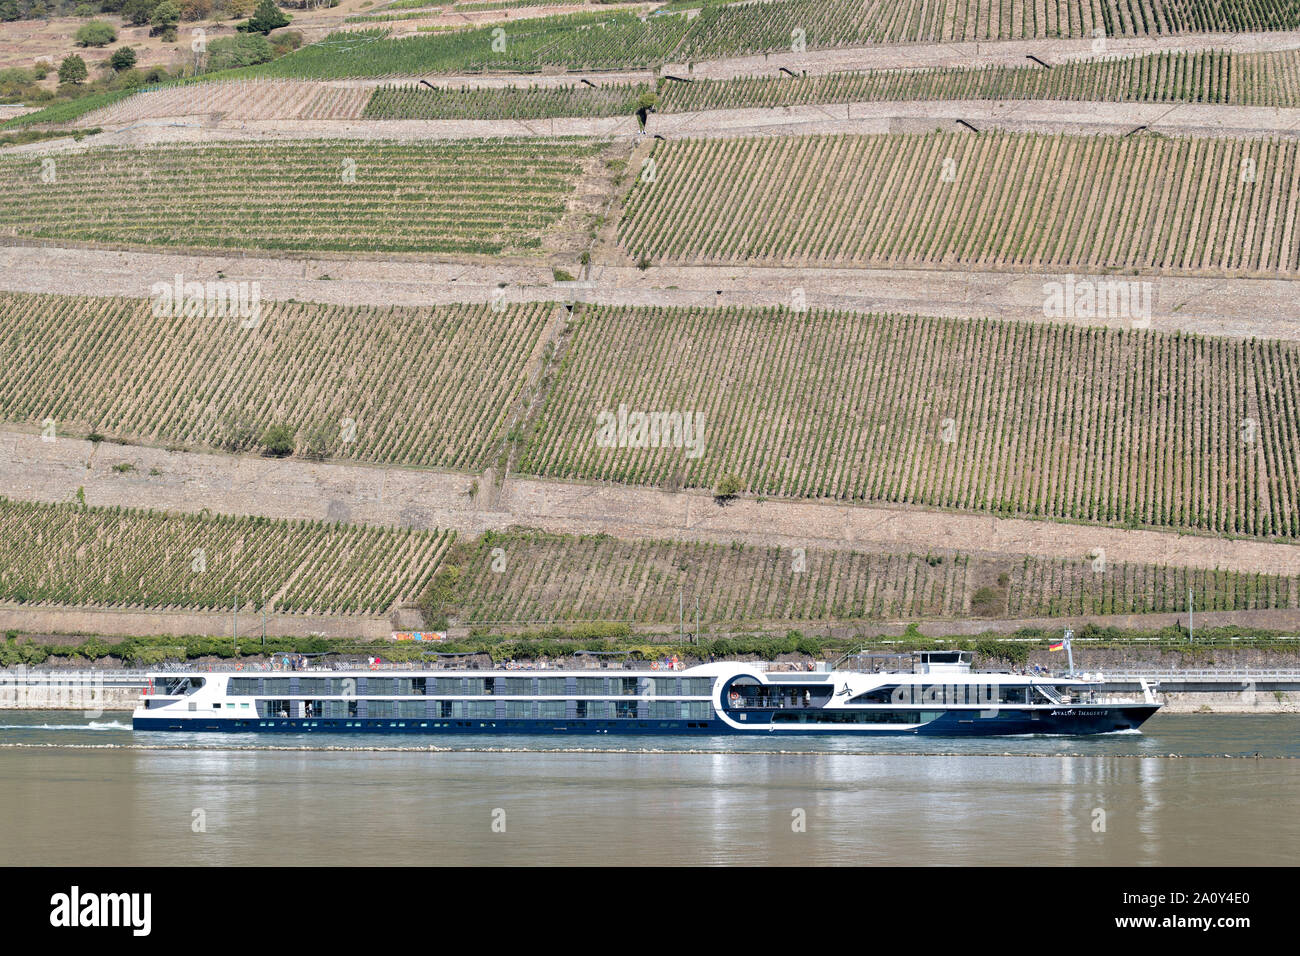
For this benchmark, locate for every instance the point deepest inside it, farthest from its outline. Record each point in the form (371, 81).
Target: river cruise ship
(941, 696)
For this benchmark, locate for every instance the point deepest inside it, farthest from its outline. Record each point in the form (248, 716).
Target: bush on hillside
(266, 18)
(243, 49)
(73, 70)
(123, 58)
(96, 33)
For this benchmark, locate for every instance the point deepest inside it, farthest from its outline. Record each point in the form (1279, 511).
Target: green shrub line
(69, 110)
(37, 135)
(1013, 648)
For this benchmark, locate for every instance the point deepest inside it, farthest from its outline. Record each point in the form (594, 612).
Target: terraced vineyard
(470, 7)
(1242, 79)
(605, 39)
(993, 200)
(466, 196)
(1040, 588)
(580, 41)
(528, 577)
(420, 386)
(1239, 79)
(70, 555)
(238, 100)
(422, 103)
(1064, 422)
(422, 9)
(130, 558)
(728, 29)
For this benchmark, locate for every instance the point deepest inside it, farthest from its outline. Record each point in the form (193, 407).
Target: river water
(82, 791)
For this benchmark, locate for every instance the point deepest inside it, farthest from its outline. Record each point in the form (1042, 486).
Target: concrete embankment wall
(89, 697)
(1204, 702)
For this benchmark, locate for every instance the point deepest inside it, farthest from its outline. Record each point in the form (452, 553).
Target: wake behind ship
(940, 697)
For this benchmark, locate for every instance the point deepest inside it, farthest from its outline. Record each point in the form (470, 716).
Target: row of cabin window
(467, 686)
(486, 709)
(950, 694)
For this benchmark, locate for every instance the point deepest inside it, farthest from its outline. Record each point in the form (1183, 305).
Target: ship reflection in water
(103, 795)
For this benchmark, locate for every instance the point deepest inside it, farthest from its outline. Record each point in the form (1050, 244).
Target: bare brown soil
(1209, 306)
(36, 470)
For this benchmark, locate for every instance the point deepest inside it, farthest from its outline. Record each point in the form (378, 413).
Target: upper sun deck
(946, 662)
(935, 668)
(407, 673)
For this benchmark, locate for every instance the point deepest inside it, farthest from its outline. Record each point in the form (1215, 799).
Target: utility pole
(1191, 632)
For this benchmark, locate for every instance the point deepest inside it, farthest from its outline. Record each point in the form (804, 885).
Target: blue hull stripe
(1086, 720)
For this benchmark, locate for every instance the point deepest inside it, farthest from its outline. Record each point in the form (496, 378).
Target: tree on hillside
(138, 12)
(192, 10)
(95, 33)
(123, 58)
(266, 18)
(73, 70)
(246, 49)
(164, 19)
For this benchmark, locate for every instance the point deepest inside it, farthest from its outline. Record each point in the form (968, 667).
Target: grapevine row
(1053, 421)
(612, 39)
(533, 577)
(994, 200)
(419, 386)
(534, 102)
(472, 196)
(1207, 76)
(132, 558)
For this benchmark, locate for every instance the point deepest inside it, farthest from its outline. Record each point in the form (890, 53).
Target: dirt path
(36, 470)
(1043, 116)
(1228, 307)
(200, 129)
(129, 621)
(1055, 116)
